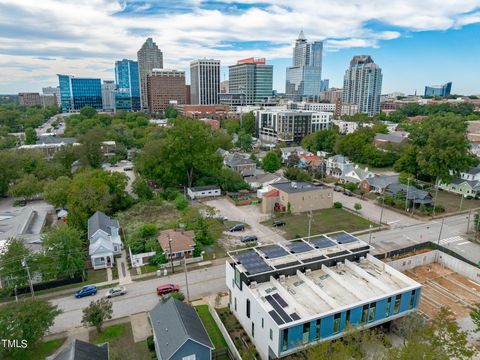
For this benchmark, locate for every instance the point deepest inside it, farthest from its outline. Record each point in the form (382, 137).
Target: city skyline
(90, 36)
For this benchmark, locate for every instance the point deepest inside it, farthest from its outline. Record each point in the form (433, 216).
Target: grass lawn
(451, 202)
(41, 351)
(120, 341)
(96, 276)
(212, 329)
(324, 221)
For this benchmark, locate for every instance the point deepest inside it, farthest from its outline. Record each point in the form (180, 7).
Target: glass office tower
(438, 90)
(76, 93)
(127, 97)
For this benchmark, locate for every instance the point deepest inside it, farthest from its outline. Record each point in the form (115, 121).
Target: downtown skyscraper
(204, 81)
(149, 57)
(127, 96)
(304, 77)
(362, 86)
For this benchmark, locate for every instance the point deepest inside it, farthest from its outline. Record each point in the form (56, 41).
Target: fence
(231, 345)
(49, 285)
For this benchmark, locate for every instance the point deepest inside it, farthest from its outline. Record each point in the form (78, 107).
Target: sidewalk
(124, 276)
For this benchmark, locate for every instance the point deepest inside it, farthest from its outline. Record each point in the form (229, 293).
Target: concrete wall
(321, 198)
(223, 330)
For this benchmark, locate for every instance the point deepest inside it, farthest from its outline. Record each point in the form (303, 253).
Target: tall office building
(149, 57)
(108, 95)
(29, 99)
(438, 90)
(304, 77)
(165, 87)
(127, 97)
(76, 93)
(362, 86)
(252, 79)
(204, 81)
(52, 91)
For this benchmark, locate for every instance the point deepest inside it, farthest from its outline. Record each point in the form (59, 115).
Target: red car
(167, 289)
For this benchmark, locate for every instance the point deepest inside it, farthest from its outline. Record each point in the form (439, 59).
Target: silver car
(116, 291)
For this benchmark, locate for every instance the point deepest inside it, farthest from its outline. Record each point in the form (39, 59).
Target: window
(389, 305)
(189, 357)
(253, 329)
(412, 299)
(347, 318)
(271, 334)
(306, 333)
(364, 314)
(396, 307)
(371, 313)
(235, 304)
(336, 323)
(262, 323)
(317, 329)
(248, 308)
(285, 340)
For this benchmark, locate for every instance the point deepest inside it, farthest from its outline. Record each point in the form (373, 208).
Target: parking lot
(250, 215)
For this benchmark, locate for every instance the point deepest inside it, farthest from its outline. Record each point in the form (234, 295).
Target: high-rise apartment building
(149, 57)
(438, 90)
(29, 99)
(76, 93)
(362, 86)
(165, 87)
(127, 96)
(108, 95)
(204, 81)
(52, 91)
(252, 80)
(304, 77)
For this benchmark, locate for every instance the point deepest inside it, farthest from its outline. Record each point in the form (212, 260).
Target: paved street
(48, 124)
(141, 296)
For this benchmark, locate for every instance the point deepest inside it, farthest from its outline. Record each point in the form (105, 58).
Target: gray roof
(392, 137)
(263, 178)
(236, 160)
(474, 170)
(80, 350)
(56, 140)
(381, 181)
(101, 221)
(175, 322)
(472, 183)
(292, 187)
(204, 188)
(339, 158)
(290, 149)
(411, 192)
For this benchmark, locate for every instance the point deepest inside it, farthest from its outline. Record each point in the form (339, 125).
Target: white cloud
(85, 37)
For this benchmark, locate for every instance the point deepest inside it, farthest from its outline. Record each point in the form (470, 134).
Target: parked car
(338, 188)
(347, 192)
(237, 227)
(279, 223)
(86, 291)
(167, 289)
(116, 291)
(249, 238)
(128, 168)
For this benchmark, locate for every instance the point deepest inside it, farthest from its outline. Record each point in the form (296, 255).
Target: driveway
(371, 211)
(250, 215)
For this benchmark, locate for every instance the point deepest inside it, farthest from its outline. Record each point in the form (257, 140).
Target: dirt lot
(444, 287)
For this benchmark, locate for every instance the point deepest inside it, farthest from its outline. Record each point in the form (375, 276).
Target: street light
(440, 233)
(370, 236)
(25, 265)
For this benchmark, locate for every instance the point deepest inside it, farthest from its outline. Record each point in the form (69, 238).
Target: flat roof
(297, 186)
(313, 294)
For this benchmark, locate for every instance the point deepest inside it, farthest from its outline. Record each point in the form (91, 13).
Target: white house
(356, 175)
(338, 165)
(204, 191)
(287, 151)
(104, 239)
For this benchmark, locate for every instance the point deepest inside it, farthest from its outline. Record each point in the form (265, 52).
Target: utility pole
(436, 194)
(381, 211)
(310, 215)
(170, 253)
(468, 223)
(440, 233)
(186, 276)
(406, 197)
(370, 236)
(24, 264)
(461, 202)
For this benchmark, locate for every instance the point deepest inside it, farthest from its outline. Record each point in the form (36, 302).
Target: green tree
(91, 152)
(171, 112)
(88, 112)
(141, 188)
(28, 185)
(12, 270)
(357, 207)
(64, 246)
(245, 141)
(292, 173)
(271, 162)
(475, 316)
(232, 126)
(27, 320)
(229, 180)
(56, 191)
(30, 136)
(323, 140)
(248, 121)
(181, 203)
(96, 313)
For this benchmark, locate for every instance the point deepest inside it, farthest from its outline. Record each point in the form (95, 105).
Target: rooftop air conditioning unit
(253, 284)
(363, 260)
(282, 278)
(308, 271)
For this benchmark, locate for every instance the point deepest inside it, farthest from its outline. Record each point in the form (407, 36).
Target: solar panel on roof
(252, 262)
(278, 309)
(276, 317)
(274, 251)
(280, 300)
(338, 253)
(283, 266)
(299, 247)
(294, 316)
(344, 238)
(322, 242)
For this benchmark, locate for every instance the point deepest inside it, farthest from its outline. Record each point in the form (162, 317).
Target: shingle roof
(181, 240)
(474, 170)
(204, 188)
(56, 140)
(393, 137)
(80, 350)
(382, 181)
(339, 158)
(411, 192)
(100, 221)
(472, 183)
(297, 186)
(175, 322)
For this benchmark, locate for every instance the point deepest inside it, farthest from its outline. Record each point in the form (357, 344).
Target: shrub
(157, 259)
(337, 205)
(357, 206)
(181, 203)
(351, 186)
(150, 343)
(439, 209)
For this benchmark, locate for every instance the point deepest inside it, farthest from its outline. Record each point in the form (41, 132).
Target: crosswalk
(452, 240)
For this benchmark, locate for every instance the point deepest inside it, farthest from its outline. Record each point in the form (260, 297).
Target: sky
(415, 42)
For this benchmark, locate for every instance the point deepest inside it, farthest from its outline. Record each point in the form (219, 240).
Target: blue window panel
(326, 328)
(343, 318)
(405, 301)
(295, 336)
(356, 315)
(381, 308)
(417, 297)
(313, 325)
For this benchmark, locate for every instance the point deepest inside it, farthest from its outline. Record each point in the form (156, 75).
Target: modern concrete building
(362, 86)
(328, 107)
(290, 125)
(252, 79)
(165, 87)
(296, 294)
(304, 77)
(76, 93)
(204, 81)
(108, 95)
(149, 57)
(29, 99)
(127, 96)
(50, 91)
(438, 90)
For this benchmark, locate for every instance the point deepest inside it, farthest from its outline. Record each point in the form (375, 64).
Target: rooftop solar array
(252, 262)
(299, 247)
(274, 251)
(278, 309)
(344, 238)
(322, 242)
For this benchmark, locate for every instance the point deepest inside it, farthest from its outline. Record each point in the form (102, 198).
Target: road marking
(451, 240)
(463, 243)
(393, 222)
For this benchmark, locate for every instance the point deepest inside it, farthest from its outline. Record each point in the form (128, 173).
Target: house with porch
(414, 196)
(338, 165)
(178, 242)
(467, 184)
(378, 183)
(105, 241)
(241, 164)
(356, 175)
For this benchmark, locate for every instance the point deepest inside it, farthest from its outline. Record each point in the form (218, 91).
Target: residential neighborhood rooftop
(180, 239)
(297, 186)
(100, 221)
